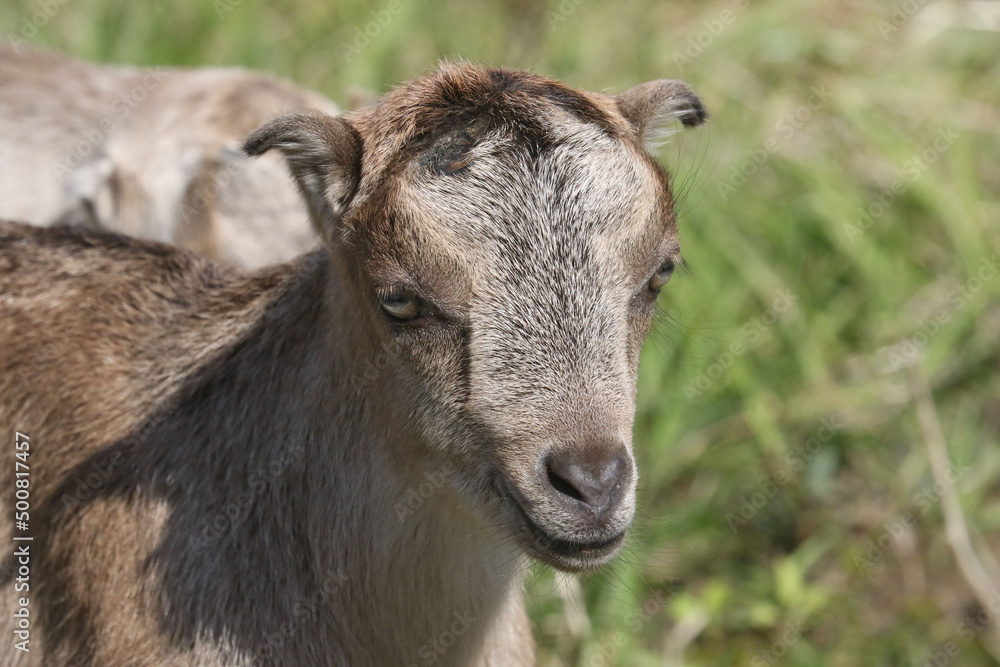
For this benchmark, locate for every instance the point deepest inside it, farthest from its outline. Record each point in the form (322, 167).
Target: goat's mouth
(569, 555)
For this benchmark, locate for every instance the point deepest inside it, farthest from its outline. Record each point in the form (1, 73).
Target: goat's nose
(593, 476)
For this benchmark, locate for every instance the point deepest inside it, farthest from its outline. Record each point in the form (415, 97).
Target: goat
(347, 459)
(152, 153)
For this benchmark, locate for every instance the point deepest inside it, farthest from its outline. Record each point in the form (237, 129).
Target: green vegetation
(840, 217)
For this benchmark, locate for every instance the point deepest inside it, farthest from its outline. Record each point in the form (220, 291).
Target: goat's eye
(402, 306)
(661, 276)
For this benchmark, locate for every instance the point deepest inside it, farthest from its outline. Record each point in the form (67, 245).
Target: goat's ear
(324, 156)
(650, 106)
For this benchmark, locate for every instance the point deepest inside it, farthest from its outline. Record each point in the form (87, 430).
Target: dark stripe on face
(455, 114)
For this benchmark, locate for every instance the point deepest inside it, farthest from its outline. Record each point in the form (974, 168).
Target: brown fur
(268, 469)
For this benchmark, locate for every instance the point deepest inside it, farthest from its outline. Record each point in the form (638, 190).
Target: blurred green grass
(762, 539)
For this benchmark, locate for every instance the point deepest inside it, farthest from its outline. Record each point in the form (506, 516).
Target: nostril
(563, 486)
(587, 477)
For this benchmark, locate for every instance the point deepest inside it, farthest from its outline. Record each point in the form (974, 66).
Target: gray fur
(266, 469)
(150, 152)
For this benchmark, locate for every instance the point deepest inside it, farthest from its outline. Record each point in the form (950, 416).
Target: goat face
(506, 237)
